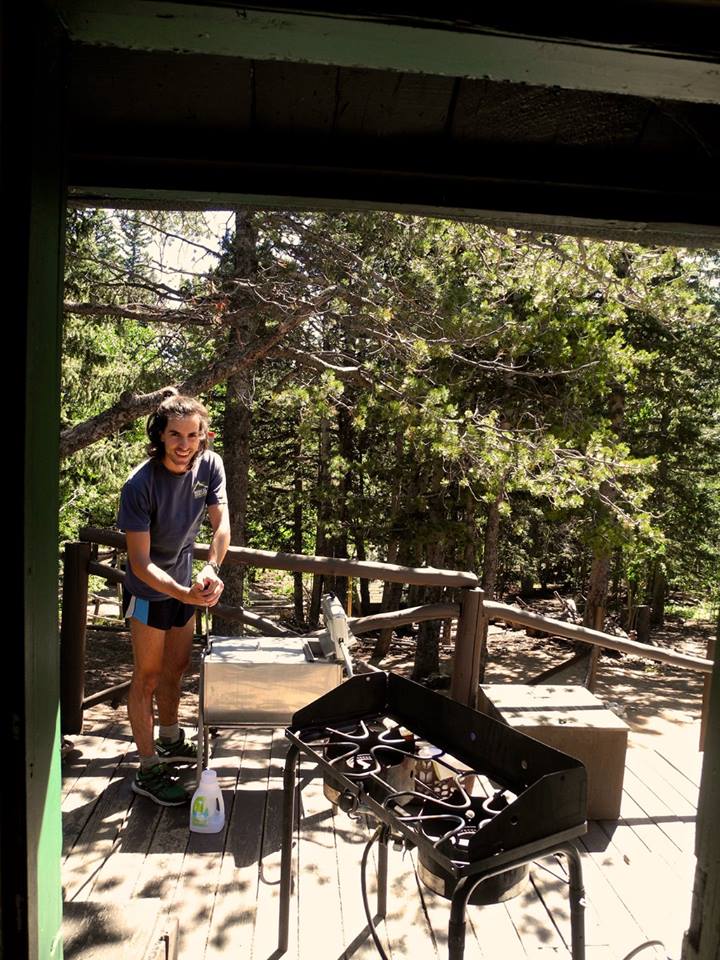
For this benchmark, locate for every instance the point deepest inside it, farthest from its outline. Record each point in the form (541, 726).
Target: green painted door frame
(30, 825)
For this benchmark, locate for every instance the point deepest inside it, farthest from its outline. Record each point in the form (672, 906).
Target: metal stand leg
(202, 734)
(577, 901)
(288, 821)
(201, 750)
(382, 873)
(466, 886)
(458, 906)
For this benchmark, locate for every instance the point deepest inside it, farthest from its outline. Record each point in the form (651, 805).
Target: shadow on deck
(223, 889)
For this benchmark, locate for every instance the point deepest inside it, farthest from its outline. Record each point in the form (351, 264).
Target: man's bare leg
(148, 648)
(176, 659)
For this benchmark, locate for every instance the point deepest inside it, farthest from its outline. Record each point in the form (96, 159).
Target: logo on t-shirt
(200, 490)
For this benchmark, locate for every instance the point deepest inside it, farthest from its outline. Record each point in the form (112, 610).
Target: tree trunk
(427, 654)
(340, 505)
(321, 512)
(491, 545)
(364, 585)
(427, 651)
(470, 551)
(594, 615)
(659, 586)
(597, 591)
(617, 579)
(238, 412)
(490, 568)
(298, 604)
(392, 594)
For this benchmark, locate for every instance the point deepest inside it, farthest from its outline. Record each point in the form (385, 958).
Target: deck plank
(97, 743)
(351, 838)
(653, 892)
(609, 923)
(224, 891)
(265, 938)
(101, 834)
(318, 888)
(663, 779)
(232, 922)
(411, 927)
(195, 893)
(534, 925)
(89, 787)
(494, 932)
(678, 826)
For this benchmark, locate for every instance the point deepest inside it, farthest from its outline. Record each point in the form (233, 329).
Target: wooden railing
(472, 613)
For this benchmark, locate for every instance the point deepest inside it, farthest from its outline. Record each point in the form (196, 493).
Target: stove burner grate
(477, 799)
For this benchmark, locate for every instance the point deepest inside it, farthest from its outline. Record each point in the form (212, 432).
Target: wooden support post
(711, 646)
(471, 635)
(72, 636)
(702, 939)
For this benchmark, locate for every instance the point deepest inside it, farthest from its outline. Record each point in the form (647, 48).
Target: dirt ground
(653, 698)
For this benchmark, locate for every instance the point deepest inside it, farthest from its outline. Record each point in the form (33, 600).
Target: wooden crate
(573, 720)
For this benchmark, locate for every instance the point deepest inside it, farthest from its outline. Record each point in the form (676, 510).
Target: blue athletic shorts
(161, 614)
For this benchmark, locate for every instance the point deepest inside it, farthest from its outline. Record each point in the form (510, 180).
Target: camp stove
(477, 799)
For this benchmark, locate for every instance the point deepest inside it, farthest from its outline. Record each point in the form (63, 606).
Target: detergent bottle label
(200, 812)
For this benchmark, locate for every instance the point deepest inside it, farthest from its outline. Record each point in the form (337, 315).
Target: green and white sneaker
(180, 751)
(157, 784)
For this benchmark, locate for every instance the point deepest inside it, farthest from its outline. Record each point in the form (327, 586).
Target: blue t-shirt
(170, 506)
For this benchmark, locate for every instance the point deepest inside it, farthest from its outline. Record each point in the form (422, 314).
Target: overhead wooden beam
(631, 228)
(389, 43)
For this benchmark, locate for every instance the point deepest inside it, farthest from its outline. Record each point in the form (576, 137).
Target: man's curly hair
(175, 408)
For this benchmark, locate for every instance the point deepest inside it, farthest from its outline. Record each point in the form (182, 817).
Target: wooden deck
(224, 889)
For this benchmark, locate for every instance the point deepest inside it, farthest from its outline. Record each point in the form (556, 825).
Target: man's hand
(207, 588)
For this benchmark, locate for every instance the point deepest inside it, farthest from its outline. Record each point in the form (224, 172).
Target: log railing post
(469, 640)
(72, 635)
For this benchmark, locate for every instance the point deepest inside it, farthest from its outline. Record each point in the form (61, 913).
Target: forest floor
(654, 699)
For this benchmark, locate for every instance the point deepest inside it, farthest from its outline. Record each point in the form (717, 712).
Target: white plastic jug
(207, 810)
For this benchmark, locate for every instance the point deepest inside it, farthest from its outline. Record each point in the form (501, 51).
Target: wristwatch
(215, 566)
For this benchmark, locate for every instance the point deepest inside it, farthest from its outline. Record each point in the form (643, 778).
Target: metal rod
(288, 820)
(114, 693)
(577, 900)
(458, 907)
(382, 872)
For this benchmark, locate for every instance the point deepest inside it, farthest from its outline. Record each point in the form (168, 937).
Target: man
(161, 509)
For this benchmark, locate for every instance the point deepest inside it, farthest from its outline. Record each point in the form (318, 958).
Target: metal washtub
(264, 681)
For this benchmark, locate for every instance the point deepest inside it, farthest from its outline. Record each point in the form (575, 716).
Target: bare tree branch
(141, 312)
(132, 405)
(352, 374)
